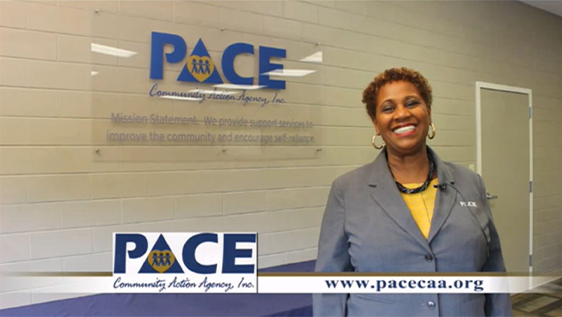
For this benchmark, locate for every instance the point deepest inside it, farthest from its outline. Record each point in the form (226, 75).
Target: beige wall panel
(262, 222)
(288, 241)
(49, 265)
(79, 50)
(90, 213)
(156, 10)
(428, 20)
(214, 181)
(455, 153)
(116, 27)
(256, 222)
(74, 104)
(289, 257)
(544, 165)
(61, 243)
(14, 247)
(358, 7)
(58, 19)
(335, 18)
(120, 79)
(103, 236)
(452, 107)
(334, 37)
(343, 97)
(148, 209)
(340, 77)
(453, 122)
(453, 91)
(15, 299)
(295, 49)
(311, 156)
(35, 217)
(12, 72)
(283, 28)
(454, 138)
(59, 131)
(302, 93)
(58, 75)
(188, 165)
(301, 11)
(28, 102)
(239, 203)
(241, 21)
(48, 2)
(119, 185)
(193, 206)
(140, 60)
(103, 104)
(274, 8)
(327, 3)
(89, 159)
(345, 136)
(20, 160)
(297, 198)
(12, 14)
(335, 116)
(101, 262)
(13, 131)
(59, 188)
(102, 5)
(28, 44)
(139, 30)
(197, 13)
(13, 190)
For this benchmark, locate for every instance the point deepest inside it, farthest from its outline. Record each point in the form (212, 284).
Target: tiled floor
(547, 303)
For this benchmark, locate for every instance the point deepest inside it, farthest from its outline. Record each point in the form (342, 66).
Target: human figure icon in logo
(167, 261)
(154, 259)
(205, 68)
(195, 66)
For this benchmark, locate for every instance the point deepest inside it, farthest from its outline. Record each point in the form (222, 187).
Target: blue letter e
(159, 40)
(231, 253)
(266, 53)
(120, 250)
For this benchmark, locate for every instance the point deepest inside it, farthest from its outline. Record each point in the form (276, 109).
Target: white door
(505, 166)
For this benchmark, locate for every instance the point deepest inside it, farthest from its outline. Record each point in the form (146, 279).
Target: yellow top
(421, 205)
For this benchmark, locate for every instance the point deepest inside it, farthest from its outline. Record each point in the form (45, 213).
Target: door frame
(490, 86)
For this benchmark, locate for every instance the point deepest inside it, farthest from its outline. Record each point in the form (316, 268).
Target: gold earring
(374, 144)
(432, 135)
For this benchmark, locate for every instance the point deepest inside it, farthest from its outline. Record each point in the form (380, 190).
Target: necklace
(424, 186)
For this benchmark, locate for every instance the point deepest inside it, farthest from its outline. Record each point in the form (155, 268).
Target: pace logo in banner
(204, 262)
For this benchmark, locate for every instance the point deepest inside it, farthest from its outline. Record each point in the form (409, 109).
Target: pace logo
(200, 68)
(185, 262)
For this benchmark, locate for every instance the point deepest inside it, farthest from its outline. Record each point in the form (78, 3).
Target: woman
(403, 213)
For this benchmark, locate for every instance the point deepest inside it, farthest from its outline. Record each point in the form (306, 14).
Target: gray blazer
(367, 227)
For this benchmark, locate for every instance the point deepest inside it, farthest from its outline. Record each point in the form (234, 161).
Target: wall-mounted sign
(200, 67)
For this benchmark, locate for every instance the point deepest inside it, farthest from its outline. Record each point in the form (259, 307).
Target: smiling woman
(401, 213)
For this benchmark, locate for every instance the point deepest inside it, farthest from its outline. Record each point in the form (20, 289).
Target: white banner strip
(396, 284)
(163, 283)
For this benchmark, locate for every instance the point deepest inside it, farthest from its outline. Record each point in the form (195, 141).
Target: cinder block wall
(60, 201)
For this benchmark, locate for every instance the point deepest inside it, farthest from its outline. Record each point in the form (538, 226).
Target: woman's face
(402, 117)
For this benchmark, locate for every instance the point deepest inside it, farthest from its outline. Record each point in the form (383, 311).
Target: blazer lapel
(445, 198)
(386, 194)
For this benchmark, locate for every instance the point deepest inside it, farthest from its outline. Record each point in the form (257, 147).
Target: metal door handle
(488, 196)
